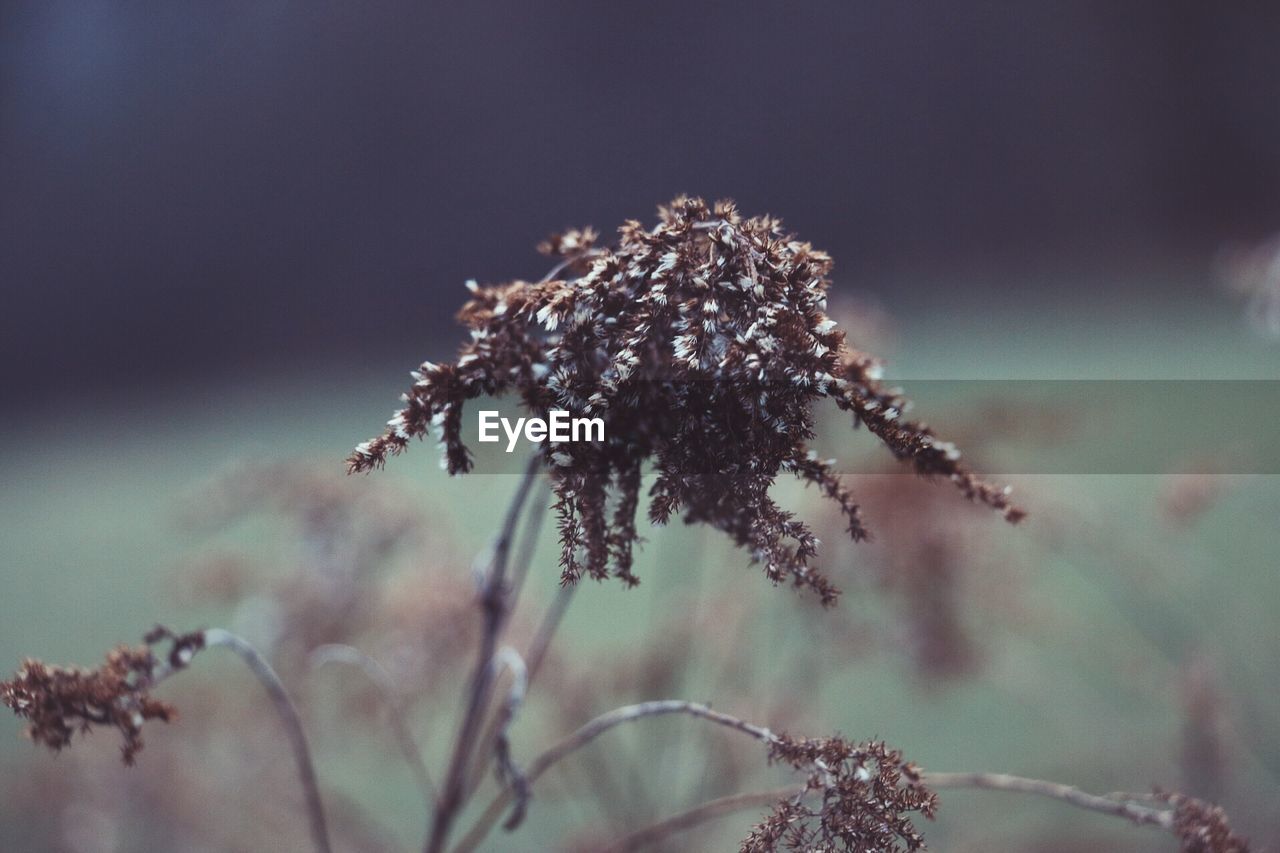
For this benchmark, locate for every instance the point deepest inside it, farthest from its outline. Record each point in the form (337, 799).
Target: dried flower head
(867, 793)
(702, 343)
(1202, 827)
(59, 701)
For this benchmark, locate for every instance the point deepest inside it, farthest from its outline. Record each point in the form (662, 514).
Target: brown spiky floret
(702, 343)
(59, 701)
(1202, 827)
(867, 796)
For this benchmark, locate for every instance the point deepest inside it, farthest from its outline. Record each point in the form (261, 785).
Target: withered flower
(1202, 827)
(59, 701)
(703, 344)
(867, 794)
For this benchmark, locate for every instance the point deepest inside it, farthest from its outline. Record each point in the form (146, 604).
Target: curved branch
(710, 810)
(1127, 806)
(1119, 805)
(589, 732)
(292, 725)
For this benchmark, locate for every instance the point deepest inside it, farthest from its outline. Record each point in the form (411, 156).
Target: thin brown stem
(288, 714)
(509, 773)
(589, 732)
(532, 527)
(700, 814)
(1127, 806)
(568, 262)
(1120, 805)
(493, 599)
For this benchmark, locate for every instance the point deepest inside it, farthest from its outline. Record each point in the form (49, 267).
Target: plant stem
(493, 599)
(519, 572)
(292, 725)
(700, 814)
(1120, 805)
(589, 732)
(1126, 806)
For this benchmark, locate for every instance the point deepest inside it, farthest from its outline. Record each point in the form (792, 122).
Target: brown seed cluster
(1202, 827)
(59, 701)
(867, 795)
(703, 344)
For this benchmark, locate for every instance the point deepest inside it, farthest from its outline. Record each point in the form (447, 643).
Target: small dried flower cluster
(59, 701)
(1202, 827)
(703, 344)
(867, 793)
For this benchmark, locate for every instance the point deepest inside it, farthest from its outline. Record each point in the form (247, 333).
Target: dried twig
(1185, 817)
(292, 724)
(509, 773)
(1120, 805)
(532, 527)
(59, 700)
(493, 599)
(700, 814)
(589, 732)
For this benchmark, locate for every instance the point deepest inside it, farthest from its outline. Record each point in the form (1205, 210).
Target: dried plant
(59, 701)
(867, 795)
(703, 344)
(1202, 827)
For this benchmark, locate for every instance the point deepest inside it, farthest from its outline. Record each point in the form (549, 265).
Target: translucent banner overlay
(1024, 427)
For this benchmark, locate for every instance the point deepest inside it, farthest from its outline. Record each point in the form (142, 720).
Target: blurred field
(1101, 599)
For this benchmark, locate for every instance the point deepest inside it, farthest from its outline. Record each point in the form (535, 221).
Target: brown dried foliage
(703, 344)
(1202, 827)
(59, 701)
(867, 796)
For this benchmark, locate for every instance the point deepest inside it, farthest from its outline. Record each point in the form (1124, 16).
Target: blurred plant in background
(1253, 274)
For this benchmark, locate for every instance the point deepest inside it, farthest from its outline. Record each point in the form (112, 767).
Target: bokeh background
(227, 231)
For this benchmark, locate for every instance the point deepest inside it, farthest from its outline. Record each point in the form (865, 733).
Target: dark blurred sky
(217, 188)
